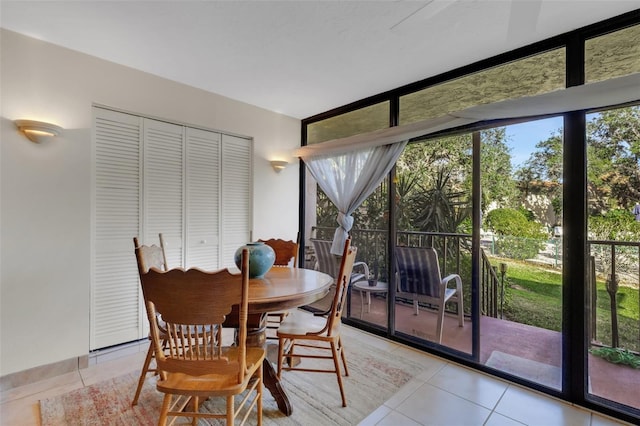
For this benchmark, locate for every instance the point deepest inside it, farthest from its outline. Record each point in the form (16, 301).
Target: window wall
(552, 176)
(534, 75)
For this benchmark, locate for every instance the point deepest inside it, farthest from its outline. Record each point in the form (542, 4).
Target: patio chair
(419, 279)
(194, 365)
(330, 264)
(317, 335)
(148, 257)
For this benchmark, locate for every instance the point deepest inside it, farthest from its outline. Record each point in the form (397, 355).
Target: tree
(614, 159)
(496, 169)
(441, 208)
(431, 189)
(542, 172)
(545, 164)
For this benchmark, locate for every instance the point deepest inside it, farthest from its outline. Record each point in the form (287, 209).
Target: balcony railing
(454, 251)
(615, 260)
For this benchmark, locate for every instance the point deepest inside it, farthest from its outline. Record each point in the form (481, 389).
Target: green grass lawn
(533, 296)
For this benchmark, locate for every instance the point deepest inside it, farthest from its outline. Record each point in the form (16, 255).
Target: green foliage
(613, 154)
(528, 214)
(495, 169)
(545, 166)
(326, 211)
(518, 237)
(440, 208)
(534, 297)
(619, 225)
(546, 162)
(617, 356)
(431, 194)
(513, 222)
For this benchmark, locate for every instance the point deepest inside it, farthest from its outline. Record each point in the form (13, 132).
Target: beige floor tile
(497, 419)
(530, 408)
(470, 385)
(395, 418)
(429, 405)
(373, 418)
(442, 393)
(404, 392)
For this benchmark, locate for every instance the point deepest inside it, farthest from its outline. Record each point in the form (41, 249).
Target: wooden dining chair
(148, 257)
(286, 251)
(286, 256)
(194, 367)
(312, 336)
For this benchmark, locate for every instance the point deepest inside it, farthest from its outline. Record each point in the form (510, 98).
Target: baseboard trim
(70, 365)
(43, 372)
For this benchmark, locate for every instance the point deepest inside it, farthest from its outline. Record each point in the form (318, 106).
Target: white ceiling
(300, 58)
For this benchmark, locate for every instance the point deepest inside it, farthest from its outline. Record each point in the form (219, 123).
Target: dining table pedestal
(280, 289)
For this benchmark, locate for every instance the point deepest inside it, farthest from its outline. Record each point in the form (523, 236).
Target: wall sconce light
(38, 131)
(278, 165)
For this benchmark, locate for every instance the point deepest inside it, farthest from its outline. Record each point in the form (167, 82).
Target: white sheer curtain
(349, 178)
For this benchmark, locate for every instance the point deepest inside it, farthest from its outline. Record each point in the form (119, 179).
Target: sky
(522, 138)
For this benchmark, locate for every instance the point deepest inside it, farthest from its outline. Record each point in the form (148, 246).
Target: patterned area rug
(535, 371)
(374, 376)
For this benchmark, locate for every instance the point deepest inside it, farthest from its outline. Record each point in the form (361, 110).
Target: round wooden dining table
(281, 288)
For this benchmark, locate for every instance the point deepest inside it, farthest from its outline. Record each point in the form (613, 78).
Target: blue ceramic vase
(261, 258)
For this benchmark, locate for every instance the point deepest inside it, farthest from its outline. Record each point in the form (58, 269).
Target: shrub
(518, 237)
(617, 225)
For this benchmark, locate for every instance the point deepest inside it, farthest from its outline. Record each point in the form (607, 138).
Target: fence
(454, 252)
(616, 261)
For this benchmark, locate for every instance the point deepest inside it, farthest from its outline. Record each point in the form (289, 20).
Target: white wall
(45, 189)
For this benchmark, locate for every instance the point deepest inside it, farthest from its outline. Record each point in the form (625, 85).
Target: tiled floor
(444, 394)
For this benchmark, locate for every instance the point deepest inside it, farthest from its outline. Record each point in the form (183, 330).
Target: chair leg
(259, 396)
(230, 416)
(166, 403)
(196, 408)
(281, 343)
(460, 309)
(415, 305)
(440, 323)
(336, 364)
(343, 356)
(143, 374)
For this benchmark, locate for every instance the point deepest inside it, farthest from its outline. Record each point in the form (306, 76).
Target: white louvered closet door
(151, 177)
(237, 195)
(115, 304)
(203, 199)
(164, 187)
